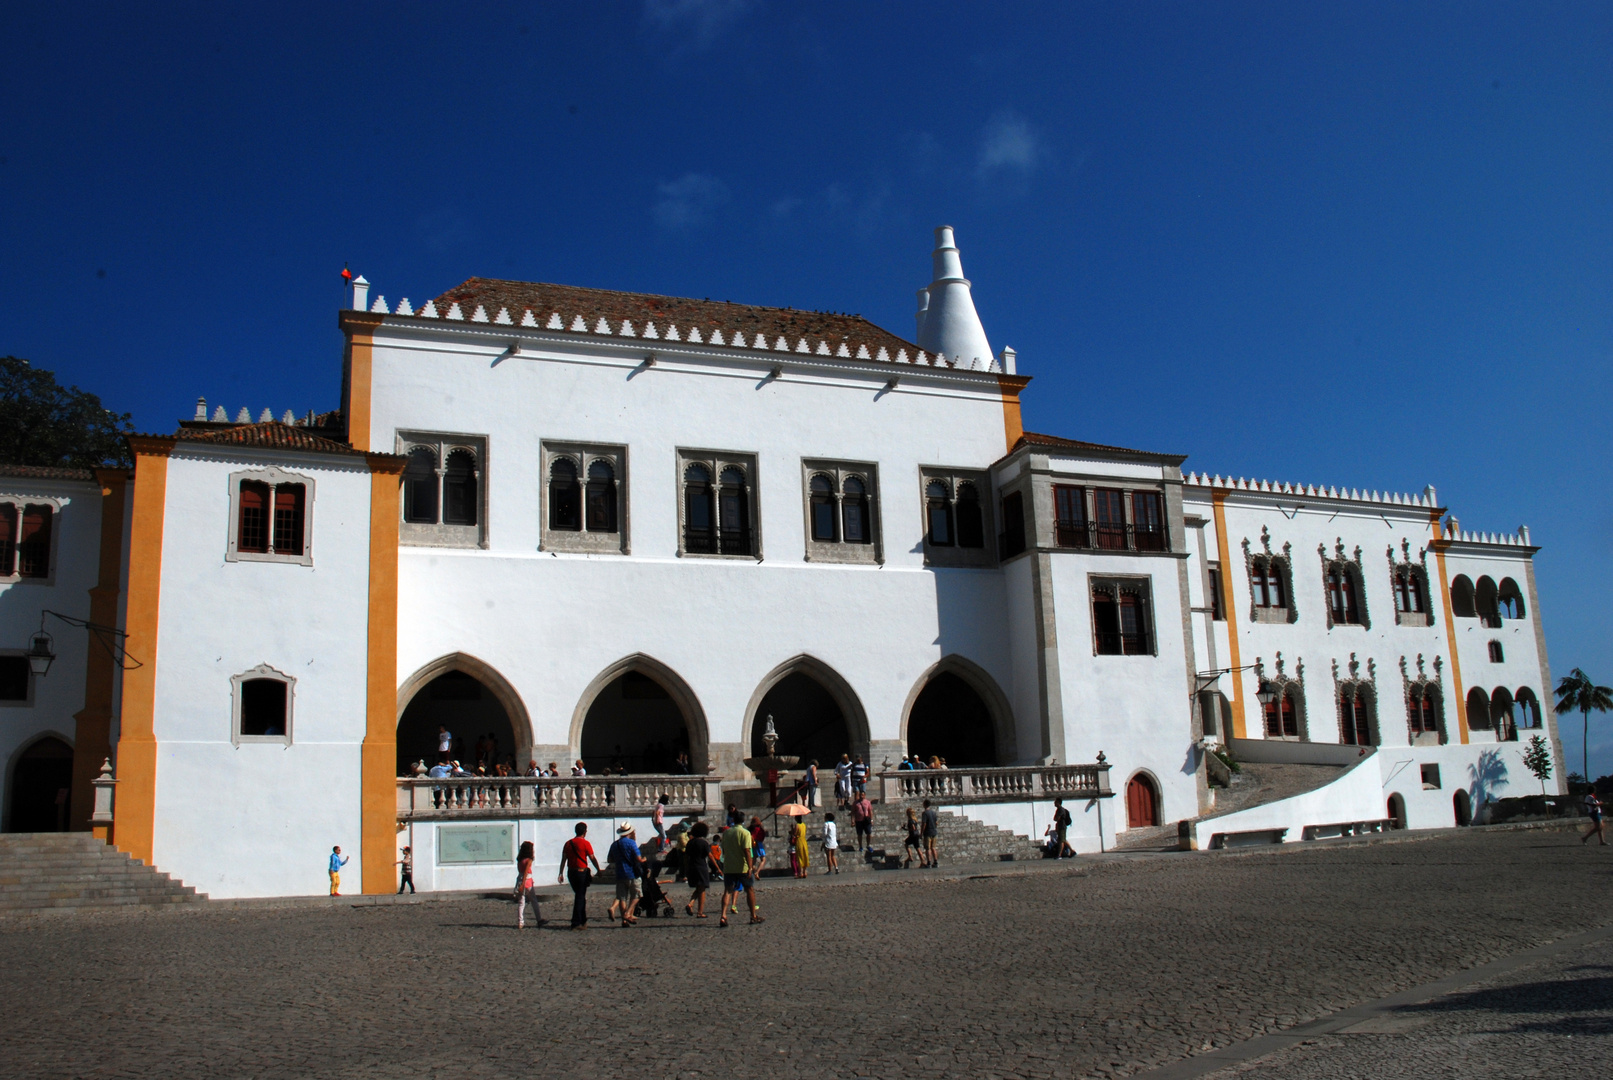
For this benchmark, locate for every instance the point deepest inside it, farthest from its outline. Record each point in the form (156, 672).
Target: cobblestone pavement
(1551, 1019)
(1104, 969)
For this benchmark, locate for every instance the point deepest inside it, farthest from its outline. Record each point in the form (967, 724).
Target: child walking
(831, 845)
(336, 864)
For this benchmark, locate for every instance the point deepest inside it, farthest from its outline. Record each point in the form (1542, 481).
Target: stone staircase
(55, 872)
(961, 841)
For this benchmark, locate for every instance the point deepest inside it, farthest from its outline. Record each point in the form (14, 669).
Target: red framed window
(1341, 598)
(1070, 513)
(252, 532)
(1148, 520)
(1109, 515)
(288, 519)
(1355, 726)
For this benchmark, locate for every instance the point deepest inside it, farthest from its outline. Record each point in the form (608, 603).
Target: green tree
(1577, 693)
(45, 423)
(1537, 759)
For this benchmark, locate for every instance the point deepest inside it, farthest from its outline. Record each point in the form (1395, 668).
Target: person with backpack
(1061, 830)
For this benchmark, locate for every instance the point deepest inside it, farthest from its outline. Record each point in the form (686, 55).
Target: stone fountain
(771, 761)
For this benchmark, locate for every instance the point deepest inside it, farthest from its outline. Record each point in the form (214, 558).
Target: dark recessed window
(263, 707)
(459, 489)
(601, 497)
(1013, 538)
(420, 487)
(1070, 516)
(938, 510)
(14, 677)
(1496, 654)
(823, 509)
(565, 496)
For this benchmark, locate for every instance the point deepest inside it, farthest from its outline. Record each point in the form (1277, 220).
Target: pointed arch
(681, 693)
(980, 681)
(18, 755)
(850, 705)
(502, 690)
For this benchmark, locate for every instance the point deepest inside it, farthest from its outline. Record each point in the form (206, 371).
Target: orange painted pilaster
(92, 738)
(1013, 426)
(379, 759)
(358, 374)
(1439, 545)
(1240, 726)
(136, 807)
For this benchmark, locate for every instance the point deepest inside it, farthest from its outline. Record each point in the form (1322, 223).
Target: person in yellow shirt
(736, 872)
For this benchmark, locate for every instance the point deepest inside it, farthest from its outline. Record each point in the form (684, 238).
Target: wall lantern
(40, 653)
(1266, 695)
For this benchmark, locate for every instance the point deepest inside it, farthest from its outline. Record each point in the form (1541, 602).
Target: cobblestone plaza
(1103, 967)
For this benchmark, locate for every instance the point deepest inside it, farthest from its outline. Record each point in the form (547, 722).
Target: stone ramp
(59, 872)
(1260, 782)
(962, 840)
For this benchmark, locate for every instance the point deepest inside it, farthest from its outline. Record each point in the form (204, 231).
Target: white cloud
(689, 201)
(1009, 142)
(703, 20)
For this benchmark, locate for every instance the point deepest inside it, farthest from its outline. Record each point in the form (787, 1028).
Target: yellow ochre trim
(1013, 427)
(378, 761)
(360, 375)
(136, 806)
(92, 734)
(1218, 500)
(1439, 545)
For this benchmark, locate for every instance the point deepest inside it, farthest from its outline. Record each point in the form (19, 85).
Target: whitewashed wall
(260, 819)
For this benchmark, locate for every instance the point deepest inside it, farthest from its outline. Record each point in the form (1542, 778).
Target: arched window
(1422, 710)
(565, 496)
(1478, 710)
(1501, 715)
(601, 497)
(1462, 605)
(699, 512)
(938, 509)
(1409, 591)
(252, 533)
(823, 509)
(854, 511)
(1342, 603)
(459, 489)
(1497, 654)
(1487, 598)
(420, 487)
(1510, 600)
(1528, 708)
(971, 524)
(1355, 720)
(1282, 712)
(733, 512)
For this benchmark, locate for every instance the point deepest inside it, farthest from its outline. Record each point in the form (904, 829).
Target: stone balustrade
(455, 798)
(1012, 784)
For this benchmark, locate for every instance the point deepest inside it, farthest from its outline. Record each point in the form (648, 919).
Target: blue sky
(1366, 244)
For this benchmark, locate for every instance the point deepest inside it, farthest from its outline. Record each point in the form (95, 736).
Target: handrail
(542, 796)
(997, 784)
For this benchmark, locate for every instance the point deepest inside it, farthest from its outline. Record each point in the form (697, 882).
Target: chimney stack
(948, 323)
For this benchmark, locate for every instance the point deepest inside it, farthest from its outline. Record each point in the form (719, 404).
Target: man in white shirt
(445, 744)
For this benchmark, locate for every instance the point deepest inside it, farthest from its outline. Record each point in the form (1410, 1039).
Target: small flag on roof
(347, 275)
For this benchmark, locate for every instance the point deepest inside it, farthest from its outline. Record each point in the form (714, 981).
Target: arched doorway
(1463, 807)
(1397, 810)
(816, 713)
(41, 787)
(474, 703)
(638, 716)
(950, 721)
(1142, 802)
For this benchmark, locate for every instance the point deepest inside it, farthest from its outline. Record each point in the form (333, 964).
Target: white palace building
(566, 523)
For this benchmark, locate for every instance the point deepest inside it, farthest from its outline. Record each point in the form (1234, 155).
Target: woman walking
(524, 887)
(660, 817)
(800, 853)
(697, 868)
(831, 845)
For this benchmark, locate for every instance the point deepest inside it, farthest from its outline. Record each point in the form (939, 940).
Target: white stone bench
(1247, 838)
(1346, 828)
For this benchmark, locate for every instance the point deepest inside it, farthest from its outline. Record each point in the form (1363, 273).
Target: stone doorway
(41, 788)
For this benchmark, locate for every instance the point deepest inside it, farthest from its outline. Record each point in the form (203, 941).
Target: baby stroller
(654, 902)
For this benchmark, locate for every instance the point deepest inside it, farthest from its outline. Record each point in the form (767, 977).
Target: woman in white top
(831, 845)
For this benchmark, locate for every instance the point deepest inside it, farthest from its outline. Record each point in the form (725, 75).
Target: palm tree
(1576, 693)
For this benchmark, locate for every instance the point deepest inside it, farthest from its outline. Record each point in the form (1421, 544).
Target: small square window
(1430, 777)
(262, 706)
(16, 680)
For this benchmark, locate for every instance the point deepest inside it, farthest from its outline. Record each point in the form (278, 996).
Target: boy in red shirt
(574, 860)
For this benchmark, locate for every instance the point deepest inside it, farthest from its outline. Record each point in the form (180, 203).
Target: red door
(1142, 804)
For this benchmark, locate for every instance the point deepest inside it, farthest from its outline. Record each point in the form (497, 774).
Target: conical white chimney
(947, 321)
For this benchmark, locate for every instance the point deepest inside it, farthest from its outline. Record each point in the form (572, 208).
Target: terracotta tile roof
(1032, 438)
(271, 435)
(669, 318)
(46, 472)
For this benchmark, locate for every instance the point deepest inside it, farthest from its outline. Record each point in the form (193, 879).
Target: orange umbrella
(794, 809)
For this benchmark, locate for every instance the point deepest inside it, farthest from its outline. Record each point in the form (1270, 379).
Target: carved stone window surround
(273, 476)
(583, 455)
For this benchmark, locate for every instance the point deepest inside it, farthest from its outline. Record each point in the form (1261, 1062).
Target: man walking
(574, 860)
(929, 823)
(1061, 828)
(862, 816)
(842, 781)
(627, 862)
(336, 864)
(859, 779)
(1593, 810)
(736, 872)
